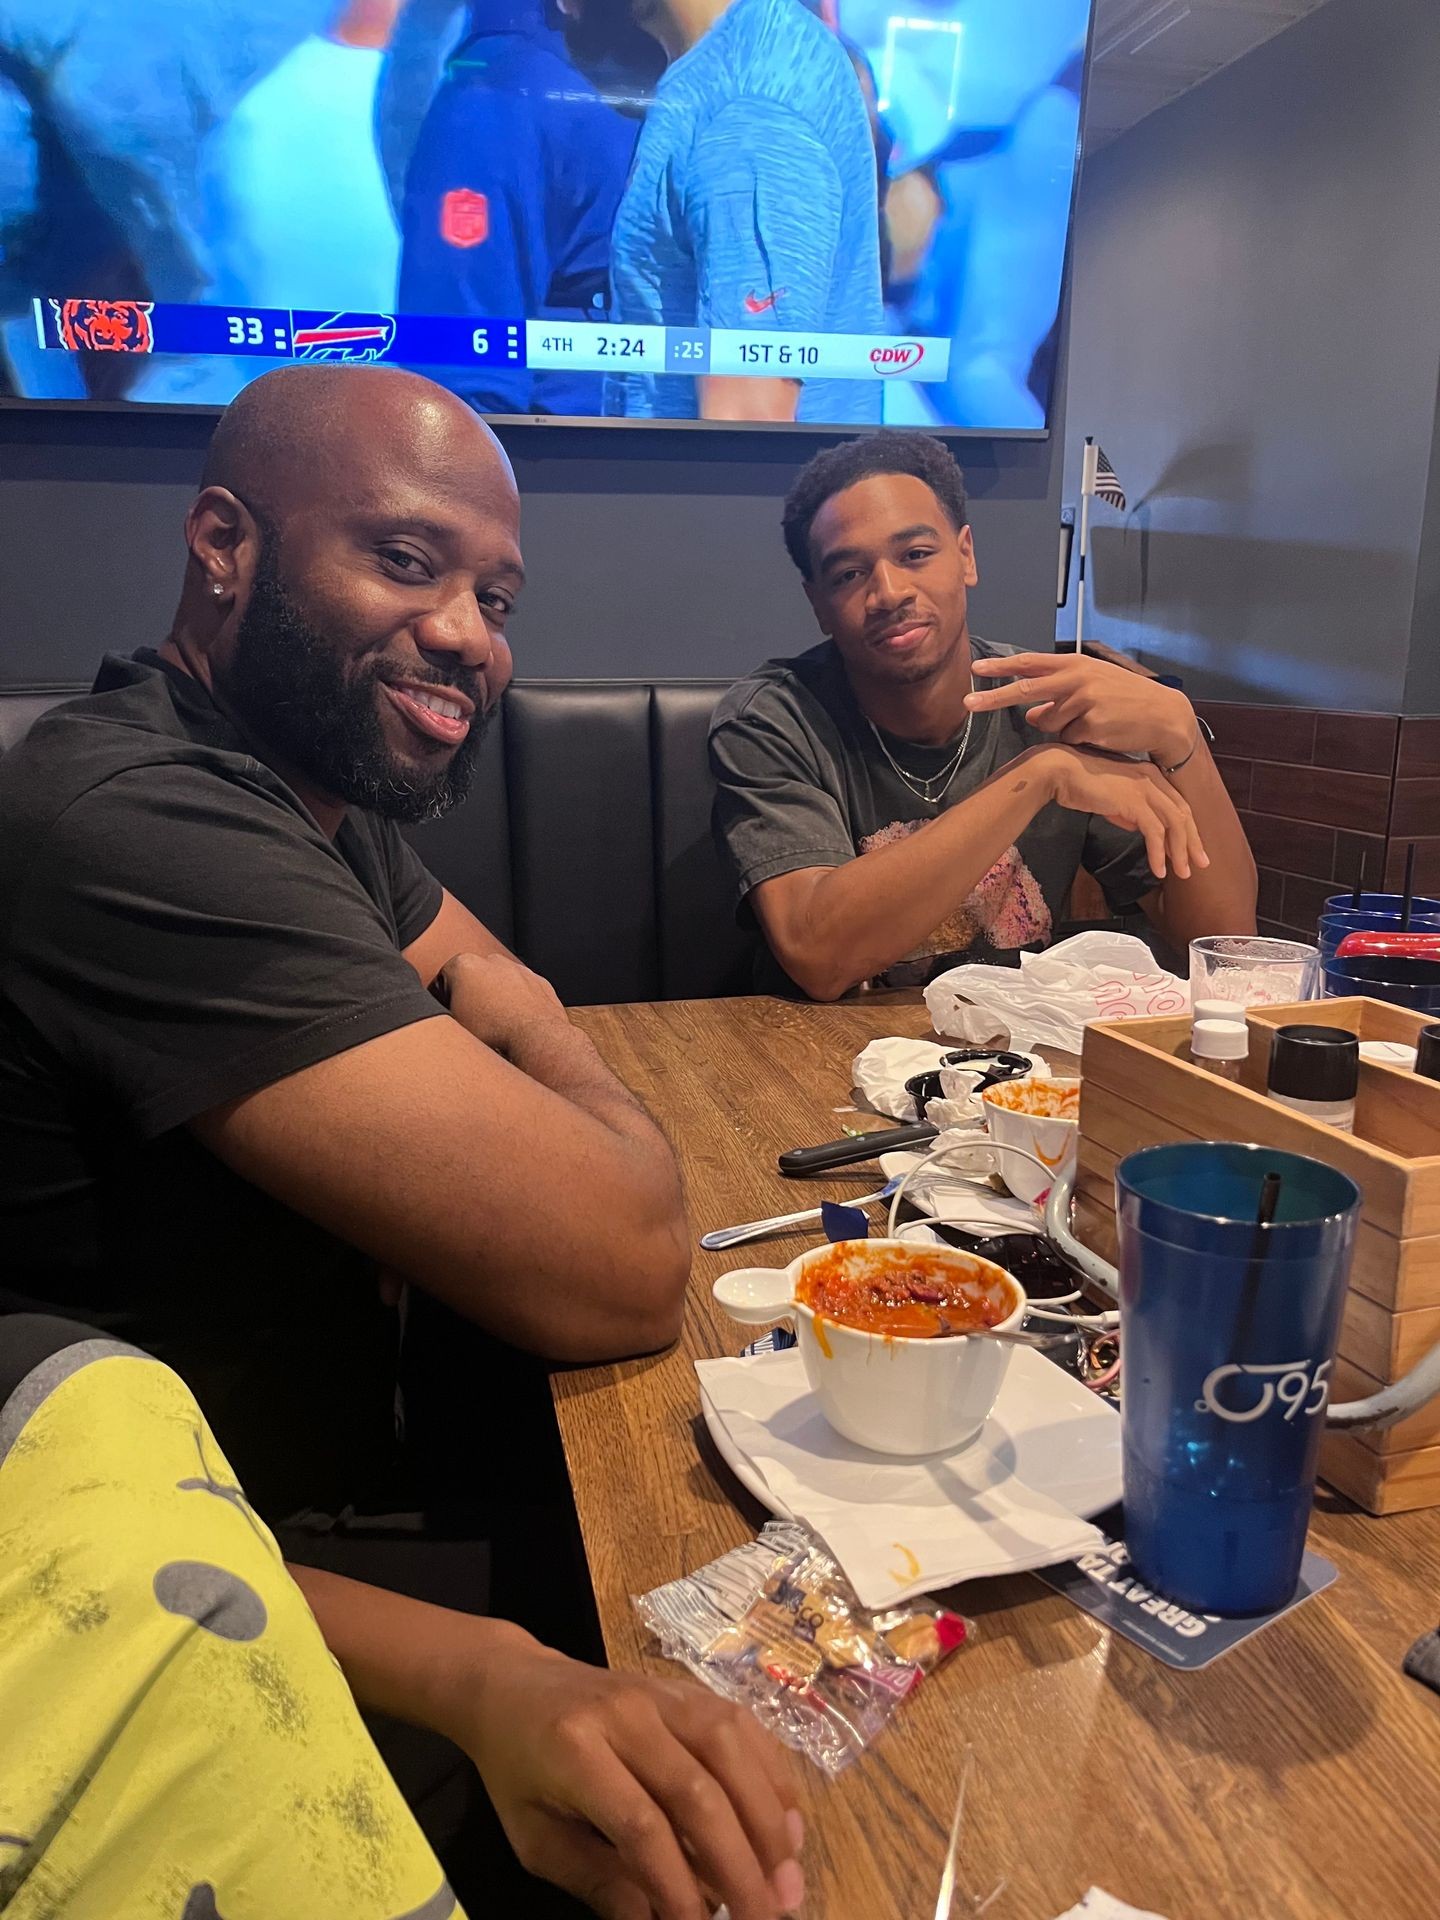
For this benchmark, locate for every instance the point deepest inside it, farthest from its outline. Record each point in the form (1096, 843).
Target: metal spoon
(757, 1229)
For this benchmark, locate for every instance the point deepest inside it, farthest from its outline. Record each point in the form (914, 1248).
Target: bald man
(256, 1066)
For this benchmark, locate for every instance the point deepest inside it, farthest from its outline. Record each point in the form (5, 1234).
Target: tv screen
(827, 213)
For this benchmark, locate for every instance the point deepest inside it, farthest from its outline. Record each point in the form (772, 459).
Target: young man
(233, 1116)
(752, 203)
(905, 795)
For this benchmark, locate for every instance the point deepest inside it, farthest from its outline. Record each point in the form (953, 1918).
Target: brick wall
(1317, 791)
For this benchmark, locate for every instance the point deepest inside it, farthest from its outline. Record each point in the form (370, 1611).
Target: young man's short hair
(893, 450)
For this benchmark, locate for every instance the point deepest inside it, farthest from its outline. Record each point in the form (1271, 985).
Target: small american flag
(1107, 485)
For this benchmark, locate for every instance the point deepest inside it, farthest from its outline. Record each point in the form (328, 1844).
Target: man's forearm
(416, 1662)
(617, 1162)
(1219, 898)
(870, 913)
(561, 1057)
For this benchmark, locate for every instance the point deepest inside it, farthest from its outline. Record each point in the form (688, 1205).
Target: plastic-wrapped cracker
(776, 1627)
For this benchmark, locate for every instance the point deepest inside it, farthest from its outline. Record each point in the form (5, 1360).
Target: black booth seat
(585, 842)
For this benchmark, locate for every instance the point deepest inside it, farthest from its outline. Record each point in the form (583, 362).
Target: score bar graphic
(454, 340)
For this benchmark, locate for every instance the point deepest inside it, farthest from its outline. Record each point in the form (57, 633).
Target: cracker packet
(776, 1627)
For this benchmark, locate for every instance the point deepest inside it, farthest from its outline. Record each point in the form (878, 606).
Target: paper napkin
(944, 1190)
(1099, 1905)
(898, 1527)
(879, 1072)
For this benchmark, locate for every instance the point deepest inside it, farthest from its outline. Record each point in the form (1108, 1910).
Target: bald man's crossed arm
(490, 1158)
(453, 930)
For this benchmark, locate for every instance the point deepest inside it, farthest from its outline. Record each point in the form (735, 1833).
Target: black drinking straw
(1409, 899)
(1359, 886)
(1255, 1272)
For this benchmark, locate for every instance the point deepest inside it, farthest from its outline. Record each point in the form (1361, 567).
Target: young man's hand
(642, 1797)
(1131, 794)
(1089, 703)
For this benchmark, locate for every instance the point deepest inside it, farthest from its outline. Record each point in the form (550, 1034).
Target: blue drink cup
(1334, 927)
(1381, 903)
(1227, 1336)
(1405, 982)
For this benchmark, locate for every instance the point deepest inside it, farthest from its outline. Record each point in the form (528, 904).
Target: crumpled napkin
(944, 1190)
(1099, 1905)
(879, 1072)
(898, 1527)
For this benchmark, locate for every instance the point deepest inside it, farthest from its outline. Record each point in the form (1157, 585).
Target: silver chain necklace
(917, 785)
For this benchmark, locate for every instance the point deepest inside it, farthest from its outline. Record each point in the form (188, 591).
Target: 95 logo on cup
(1243, 1393)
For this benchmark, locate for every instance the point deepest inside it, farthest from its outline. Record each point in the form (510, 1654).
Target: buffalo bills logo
(105, 326)
(344, 339)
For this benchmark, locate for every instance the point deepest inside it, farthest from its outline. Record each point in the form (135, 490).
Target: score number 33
(245, 332)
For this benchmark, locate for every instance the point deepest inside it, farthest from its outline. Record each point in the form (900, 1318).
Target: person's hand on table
(497, 999)
(1133, 795)
(642, 1797)
(1089, 703)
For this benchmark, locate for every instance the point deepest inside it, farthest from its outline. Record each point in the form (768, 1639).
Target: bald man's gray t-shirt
(801, 781)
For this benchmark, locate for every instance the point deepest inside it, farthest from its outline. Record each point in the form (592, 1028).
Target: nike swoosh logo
(752, 305)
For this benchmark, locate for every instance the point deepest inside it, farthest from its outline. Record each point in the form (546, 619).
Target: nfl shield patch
(464, 218)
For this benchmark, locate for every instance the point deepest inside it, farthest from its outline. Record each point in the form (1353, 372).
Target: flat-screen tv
(824, 213)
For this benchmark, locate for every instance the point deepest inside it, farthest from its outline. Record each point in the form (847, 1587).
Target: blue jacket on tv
(510, 197)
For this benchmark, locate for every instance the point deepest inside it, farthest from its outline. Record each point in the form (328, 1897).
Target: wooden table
(1298, 1776)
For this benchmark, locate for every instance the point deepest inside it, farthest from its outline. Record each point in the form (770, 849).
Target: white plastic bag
(1052, 996)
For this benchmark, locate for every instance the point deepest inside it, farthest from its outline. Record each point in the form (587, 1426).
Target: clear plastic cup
(1249, 971)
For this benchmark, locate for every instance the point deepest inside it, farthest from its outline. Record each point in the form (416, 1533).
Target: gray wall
(1256, 346)
(1422, 682)
(649, 553)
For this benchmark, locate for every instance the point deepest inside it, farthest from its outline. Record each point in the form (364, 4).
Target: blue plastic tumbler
(1227, 1336)
(1403, 981)
(1334, 927)
(1383, 904)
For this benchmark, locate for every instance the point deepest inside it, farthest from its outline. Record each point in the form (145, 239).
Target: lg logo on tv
(899, 357)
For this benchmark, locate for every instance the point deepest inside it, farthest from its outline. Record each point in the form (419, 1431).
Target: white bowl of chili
(891, 1335)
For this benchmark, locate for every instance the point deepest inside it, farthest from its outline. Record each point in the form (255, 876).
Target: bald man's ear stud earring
(216, 587)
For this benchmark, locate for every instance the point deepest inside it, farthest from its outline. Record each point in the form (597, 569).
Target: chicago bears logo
(464, 218)
(105, 326)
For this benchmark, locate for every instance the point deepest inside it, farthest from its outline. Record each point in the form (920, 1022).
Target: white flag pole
(1089, 473)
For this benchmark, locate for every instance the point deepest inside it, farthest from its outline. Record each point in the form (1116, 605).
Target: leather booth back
(585, 841)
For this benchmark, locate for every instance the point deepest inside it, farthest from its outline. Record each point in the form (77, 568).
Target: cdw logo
(898, 357)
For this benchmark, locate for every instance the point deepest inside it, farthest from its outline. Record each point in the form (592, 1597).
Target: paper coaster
(1102, 1585)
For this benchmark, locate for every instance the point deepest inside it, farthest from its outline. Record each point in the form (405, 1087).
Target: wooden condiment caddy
(1141, 1089)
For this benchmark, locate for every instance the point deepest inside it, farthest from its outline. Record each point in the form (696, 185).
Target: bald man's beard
(290, 685)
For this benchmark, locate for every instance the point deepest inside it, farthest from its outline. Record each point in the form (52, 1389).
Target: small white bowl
(887, 1392)
(1051, 1140)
